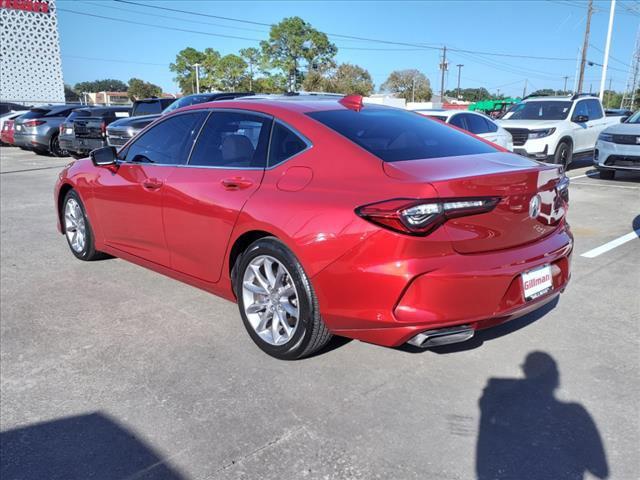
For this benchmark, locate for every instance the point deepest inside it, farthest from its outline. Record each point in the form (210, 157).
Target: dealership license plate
(537, 282)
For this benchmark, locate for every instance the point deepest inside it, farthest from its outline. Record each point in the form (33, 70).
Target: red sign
(26, 5)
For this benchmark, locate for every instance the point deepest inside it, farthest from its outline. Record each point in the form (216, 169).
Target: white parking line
(584, 175)
(612, 244)
(605, 185)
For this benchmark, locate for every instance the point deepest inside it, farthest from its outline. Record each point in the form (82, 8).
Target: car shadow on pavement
(482, 336)
(91, 446)
(526, 433)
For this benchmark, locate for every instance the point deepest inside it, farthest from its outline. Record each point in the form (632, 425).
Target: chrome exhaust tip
(442, 336)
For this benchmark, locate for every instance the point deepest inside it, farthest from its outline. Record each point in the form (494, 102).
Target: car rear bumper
(66, 142)
(389, 303)
(31, 140)
(615, 156)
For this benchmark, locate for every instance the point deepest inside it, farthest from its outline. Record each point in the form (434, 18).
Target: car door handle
(236, 183)
(152, 184)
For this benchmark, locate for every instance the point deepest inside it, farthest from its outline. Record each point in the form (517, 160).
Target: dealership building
(30, 64)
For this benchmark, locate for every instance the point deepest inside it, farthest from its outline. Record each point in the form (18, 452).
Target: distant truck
(555, 129)
(494, 108)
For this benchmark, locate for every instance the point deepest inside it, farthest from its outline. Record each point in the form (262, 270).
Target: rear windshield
(151, 107)
(35, 113)
(397, 135)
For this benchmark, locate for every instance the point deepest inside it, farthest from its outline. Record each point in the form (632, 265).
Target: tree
(70, 95)
(269, 83)
(352, 79)
(183, 68)
(106, 85)
(253, 58)
(209, 78)
(294, 44)
(230, 71)
(411, 85)
(139, 89)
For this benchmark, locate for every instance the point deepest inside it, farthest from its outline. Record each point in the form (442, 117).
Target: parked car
(6, 134)
(618, 112)
(554, 129)
(618, 148)
(476, 123)
(4, 119)
(39, 129)
(121, 131)
(328, 217)
(150, 106)
(86, 129)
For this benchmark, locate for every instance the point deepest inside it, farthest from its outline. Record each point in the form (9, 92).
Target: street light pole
(197, 67)
(459, 69)
(606, 49)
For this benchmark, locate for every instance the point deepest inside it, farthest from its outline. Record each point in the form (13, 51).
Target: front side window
(232, 140)
(581, 110)
(167, 143)
(594, 108)
(284, 144)
(395, 135)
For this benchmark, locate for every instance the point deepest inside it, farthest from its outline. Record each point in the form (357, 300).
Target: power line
(351, 37)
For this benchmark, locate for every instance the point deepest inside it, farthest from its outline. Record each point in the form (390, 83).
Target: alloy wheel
(270, 300)
(75, 225)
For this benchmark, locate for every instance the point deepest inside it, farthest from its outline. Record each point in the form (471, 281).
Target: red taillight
(61, 128)
(420, 217)
(33, 123)
(103, 129)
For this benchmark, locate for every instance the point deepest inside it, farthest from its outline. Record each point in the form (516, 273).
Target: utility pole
(606, 49)
(524, 91)
(443, 67)
(459, 69)
(197, 67)
(585, 47)
(565, 83)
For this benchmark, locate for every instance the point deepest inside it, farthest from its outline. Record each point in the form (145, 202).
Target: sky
(95, 48)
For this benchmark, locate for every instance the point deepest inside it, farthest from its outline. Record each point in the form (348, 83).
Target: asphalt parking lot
(111, 371)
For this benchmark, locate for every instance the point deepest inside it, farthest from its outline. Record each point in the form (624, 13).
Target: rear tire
(607, 174)
(77, 228)
(55, 149)
(277, 303)
(564, 154)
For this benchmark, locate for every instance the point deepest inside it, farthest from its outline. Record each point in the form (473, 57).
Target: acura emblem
(534, 206)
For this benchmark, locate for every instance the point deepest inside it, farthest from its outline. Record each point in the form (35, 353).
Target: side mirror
(103, 157)
(581, 118)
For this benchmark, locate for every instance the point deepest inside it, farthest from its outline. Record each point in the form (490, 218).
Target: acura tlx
(325, 216)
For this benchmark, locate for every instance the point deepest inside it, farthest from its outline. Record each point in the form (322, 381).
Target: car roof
(552, 98)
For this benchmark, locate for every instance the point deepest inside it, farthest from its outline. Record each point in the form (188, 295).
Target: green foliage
(230, 71)
(253, 58)
(139, 89)
(106, 85)
(70, 95)
(183, 68)
(347, 79)
(411, 85)
(612, 99)
(469, 94)
(294, 44)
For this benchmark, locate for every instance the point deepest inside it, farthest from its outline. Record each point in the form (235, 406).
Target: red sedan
(326, 216)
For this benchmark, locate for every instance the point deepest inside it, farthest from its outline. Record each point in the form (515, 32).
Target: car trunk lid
(530, 206)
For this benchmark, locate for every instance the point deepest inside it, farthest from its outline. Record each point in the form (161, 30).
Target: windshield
(542, 110)
(397, 135)
(635, 118)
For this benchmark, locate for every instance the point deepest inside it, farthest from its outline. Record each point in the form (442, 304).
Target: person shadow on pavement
(527, 434)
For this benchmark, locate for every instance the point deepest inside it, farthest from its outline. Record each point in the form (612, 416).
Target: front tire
(277, 303)
(563, 155)
(77, 228)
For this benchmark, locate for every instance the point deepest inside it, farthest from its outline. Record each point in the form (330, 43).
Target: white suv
(554, 129)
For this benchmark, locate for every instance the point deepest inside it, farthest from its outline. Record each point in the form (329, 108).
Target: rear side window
(396, 135)
(284, 144)
(37, 113)
(167, 143)
(232, 140)
(477, 124)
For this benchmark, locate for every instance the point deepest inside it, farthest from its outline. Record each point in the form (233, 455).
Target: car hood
(624, 129)
(529, 124)
(134, 122)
